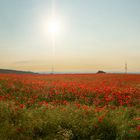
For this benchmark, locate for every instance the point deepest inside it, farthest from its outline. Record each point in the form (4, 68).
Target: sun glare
(54, 26)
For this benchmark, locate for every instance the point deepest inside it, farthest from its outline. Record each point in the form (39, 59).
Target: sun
(54, 26)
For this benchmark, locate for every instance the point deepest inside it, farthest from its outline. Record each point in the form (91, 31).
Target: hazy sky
(93, 35)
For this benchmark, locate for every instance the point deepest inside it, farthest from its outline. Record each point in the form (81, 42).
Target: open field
(70, 106)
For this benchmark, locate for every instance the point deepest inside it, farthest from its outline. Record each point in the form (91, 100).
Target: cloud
(22, 62)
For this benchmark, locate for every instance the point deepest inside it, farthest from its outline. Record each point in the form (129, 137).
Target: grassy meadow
(70, 107)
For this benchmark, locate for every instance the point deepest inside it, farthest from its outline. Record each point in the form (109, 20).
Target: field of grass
(70, 107)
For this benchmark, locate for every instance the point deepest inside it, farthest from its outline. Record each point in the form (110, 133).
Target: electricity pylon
(125, 67)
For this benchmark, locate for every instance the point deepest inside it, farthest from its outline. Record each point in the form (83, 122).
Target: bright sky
(93, 35)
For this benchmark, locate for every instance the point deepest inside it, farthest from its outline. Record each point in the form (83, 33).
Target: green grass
(67, 123)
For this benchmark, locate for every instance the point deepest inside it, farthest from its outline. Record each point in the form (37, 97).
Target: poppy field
(70, 106)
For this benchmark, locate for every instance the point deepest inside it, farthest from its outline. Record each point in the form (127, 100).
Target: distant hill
(7, 71)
